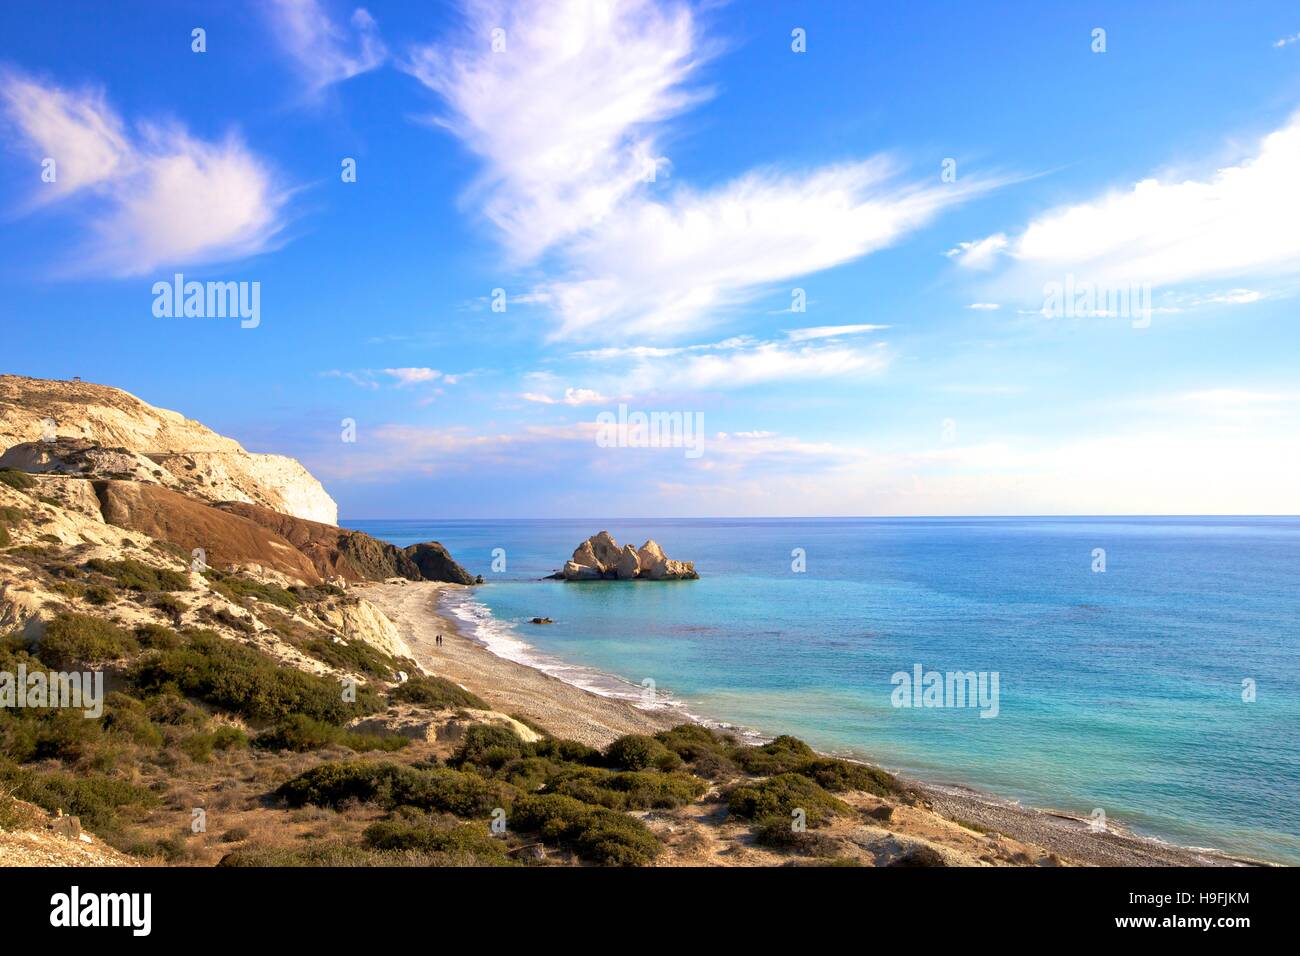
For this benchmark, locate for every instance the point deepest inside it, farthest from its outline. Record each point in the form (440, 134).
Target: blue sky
(928, 373)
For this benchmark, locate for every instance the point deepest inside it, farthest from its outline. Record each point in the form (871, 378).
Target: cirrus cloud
(568, 118)
(159, 198)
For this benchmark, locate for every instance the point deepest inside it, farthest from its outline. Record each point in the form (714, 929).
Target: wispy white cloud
(568, 119)
(1286, 41)
(563, 116)
(738, 362)
(1234, 297)
(413, 376)
(160, 198)
(984, 306)
(657, 269)
(323, 51)
(572, 396)
(979, 253)
(400, 377)
(830, 331)
(1233, 222)
(765, 363)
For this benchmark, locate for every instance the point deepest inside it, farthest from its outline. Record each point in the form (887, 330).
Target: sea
(1147, 669)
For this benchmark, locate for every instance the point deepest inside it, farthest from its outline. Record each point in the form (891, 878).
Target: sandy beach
(569, 711)
(512, 688)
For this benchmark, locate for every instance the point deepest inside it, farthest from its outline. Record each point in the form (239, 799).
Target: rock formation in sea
(599, 558)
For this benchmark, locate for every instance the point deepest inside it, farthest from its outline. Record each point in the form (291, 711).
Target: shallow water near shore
(1120, 691)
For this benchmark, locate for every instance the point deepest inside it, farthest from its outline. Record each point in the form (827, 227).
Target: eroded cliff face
(61, 427)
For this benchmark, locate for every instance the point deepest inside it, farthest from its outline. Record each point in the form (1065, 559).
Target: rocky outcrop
(436, 564)
(354, 555)
(628, 565)
(228, 540)
(154, 445)
(600, 558)
(334, 552)
(84, 459)
(359, 620)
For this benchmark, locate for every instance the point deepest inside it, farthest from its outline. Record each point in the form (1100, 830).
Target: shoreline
(569, 709)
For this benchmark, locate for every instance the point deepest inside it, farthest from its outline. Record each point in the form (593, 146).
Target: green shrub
(363, 743)
(137, 576)
(465, 844)
(300, 733)
(96, 799)
(157, 637)
(332, 784)
(393, 785)
(782, 755)
(226, 737)
(488, 745)
(530, 774)
(69, 589)
(566, 751)
(198, 747)
(451, 791)
(100, 594)
(172, 848)
(647, 790)
(596, 834)
(236, 587)
(248, 682)
(436, 692)
(355, 656)
(917, 856)
(781, 795)
(72, 639)
(236, 622)
(18, 737)
(778, 833)
(688, 741)
(587, 784)
(66, 735)
(169, 604)
(627, 790)
(171, 708)
(839, 776)
(16, 479)
(127, 716)
(637, 752)
(8, 518)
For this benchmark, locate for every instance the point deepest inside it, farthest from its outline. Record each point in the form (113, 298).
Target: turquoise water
(1120, 690)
